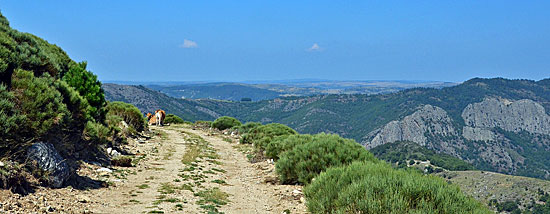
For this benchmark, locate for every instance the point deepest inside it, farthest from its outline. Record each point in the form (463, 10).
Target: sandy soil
(220, 179)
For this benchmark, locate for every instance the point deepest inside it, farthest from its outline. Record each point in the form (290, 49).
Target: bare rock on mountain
(521, 115)
(428, 120)
(478, 134)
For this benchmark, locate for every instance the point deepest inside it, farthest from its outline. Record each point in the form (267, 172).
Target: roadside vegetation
(341, 176)
(47, 97)
(225, 122)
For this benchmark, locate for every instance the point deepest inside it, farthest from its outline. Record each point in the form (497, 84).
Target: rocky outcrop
(478, 134)
(47, 159)
(427, 121)
(521, 115)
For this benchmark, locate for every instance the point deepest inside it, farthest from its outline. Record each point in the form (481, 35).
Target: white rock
(2, 164)
(296, 192)
(109, 150)
(104, 170)
(115, 153)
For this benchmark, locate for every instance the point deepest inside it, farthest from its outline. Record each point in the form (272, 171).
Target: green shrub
(86, 83)
(262, 135)
(129, 113)
(39, 101)
(306, 161)
(97, 132)
(245, 128)
(171, 118)
(225, 122)
(9, 118)
(367, 187)
(76, 104)
(285, 143)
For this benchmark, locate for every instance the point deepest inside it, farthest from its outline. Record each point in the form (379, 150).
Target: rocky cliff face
(521, 115)
(427, 121)
(497, 134)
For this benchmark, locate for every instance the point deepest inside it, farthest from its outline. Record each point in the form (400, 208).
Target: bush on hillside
(171, 118)
(245, 128)
(306, 161)
(367, 187)
(129, 113)
(10, 121)
(97, 132)
(262, 135)
(225, 122)
(86, 83)
(285, 143)
(9, 118)
(76, 104)
(39, 100)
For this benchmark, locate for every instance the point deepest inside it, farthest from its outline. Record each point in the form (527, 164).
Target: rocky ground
(181, 170)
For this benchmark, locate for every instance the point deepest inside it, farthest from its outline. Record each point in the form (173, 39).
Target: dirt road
(194, 171)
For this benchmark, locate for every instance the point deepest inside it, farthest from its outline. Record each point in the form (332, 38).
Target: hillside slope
(496, 124)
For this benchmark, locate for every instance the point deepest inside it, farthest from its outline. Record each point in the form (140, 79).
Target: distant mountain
(265, 90)
(495, 124)
(219, 91)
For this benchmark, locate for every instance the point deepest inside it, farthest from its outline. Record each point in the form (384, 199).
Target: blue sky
(271, 40)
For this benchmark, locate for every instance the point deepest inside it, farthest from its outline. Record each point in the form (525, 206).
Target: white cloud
(189, 44)
(315, 47)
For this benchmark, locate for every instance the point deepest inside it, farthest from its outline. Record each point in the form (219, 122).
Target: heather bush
(171, 118)
(225, 122)
(262, 135)
(306, 161)
(9, 118)
(40, 102)
(285, 143)
(368, 187)
(129, 113)
(97, 132)
(245, 128)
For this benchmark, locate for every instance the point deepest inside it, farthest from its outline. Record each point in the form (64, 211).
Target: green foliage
(97, 132)
(38, 99)
(86, 83)
(245, 128)
(262, 135)
(306, 161)
(281, 144)
(129, 113)
(9, 118)
(170, 118)
(508, 206)
(225, 122)
(409, 151)
(367, 187)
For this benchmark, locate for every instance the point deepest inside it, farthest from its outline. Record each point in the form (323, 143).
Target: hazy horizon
(268, 41)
